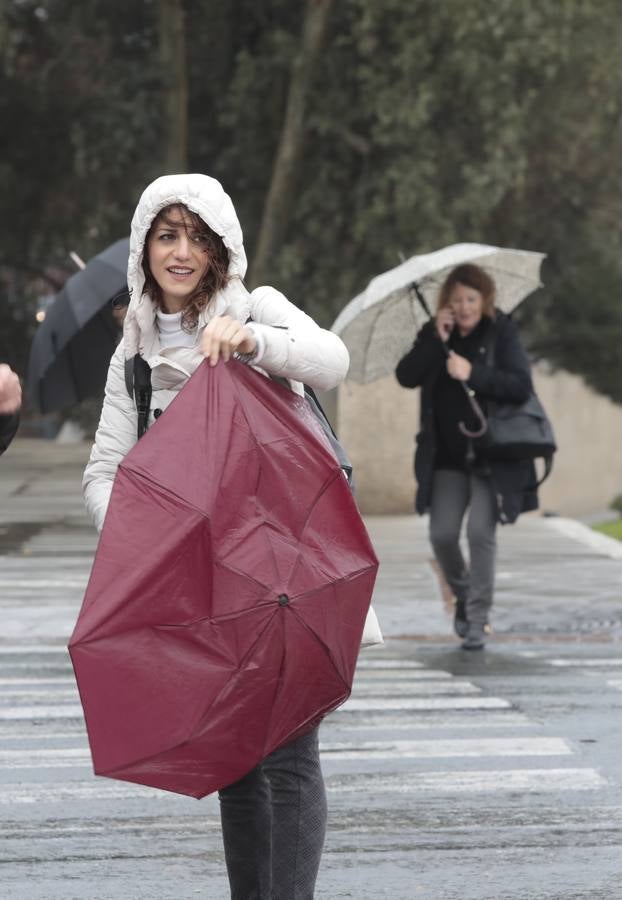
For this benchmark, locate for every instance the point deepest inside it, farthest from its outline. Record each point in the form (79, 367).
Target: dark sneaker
(476, 636)
(461, 626)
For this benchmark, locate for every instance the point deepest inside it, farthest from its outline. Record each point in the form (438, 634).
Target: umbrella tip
(79, 262)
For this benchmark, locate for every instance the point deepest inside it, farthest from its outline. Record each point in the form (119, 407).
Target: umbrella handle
(483, 427)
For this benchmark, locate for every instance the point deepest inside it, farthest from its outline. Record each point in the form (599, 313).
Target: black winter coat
(509, 380)
(8, 427)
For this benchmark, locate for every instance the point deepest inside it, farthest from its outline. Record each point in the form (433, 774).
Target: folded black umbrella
(72, 347)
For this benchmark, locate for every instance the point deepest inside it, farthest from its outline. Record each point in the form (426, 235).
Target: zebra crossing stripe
(409, 689)
(451, 782)
(81, 790)
(480, 719)
(355, 704)
(388, 664)
(587, 663)
(414, 749)
(44, 758)
(31, 689)
(440, 782)
(458, 747)
(11, 584)
(406, 675)
(53, 695)
(17, 680)
(41, 712)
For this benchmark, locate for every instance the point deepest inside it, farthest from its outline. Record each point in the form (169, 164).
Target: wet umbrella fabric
(228, 595)
(72, 347)
(378, 326)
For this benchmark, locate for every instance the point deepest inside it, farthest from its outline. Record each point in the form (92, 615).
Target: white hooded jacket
(291, 345)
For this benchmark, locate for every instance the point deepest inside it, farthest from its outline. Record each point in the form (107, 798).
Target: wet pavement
(451, 775)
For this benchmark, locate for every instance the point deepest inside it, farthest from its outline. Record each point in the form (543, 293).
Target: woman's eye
(197, 238)
(166, 236)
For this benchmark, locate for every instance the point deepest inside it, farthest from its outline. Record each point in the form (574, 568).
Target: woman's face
(467, 305)
(177, 257)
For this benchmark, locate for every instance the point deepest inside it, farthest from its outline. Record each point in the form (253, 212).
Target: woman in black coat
(468, 341)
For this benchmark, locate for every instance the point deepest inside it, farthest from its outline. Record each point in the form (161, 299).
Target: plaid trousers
(274, 823)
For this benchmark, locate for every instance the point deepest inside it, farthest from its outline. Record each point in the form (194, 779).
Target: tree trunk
(277, 207)
(175, 85)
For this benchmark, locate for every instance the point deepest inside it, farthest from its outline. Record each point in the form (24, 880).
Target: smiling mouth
(179, 271)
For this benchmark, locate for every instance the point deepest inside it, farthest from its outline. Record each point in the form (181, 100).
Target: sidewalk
(556, 578)
(453, 775)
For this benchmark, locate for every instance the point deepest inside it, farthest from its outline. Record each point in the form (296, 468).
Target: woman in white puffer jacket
(188, 303)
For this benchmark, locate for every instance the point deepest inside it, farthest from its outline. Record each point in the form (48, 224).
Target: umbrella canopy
(72, 347)
(228, 596)
(378, 326)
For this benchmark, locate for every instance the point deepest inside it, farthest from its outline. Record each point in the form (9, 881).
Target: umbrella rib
(335, 581)
(325, 486)
(329, 706)
(165, 490)
(150, 758)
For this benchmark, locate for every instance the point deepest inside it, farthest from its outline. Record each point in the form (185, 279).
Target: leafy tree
(424, 124)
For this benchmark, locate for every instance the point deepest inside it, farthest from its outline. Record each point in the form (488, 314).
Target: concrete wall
(377, 423)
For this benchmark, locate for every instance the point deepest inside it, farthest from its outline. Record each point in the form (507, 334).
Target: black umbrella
(71, 349)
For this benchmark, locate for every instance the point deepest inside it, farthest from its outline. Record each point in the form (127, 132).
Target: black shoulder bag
(516, 431)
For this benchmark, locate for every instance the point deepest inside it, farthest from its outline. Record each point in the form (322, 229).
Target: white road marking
(474, 719)
(9, 584)
(45, 758)
(354, 704)
(441, 782)
(460, 747)
(77, 790)
(41, 712)
(488, 780)
(421, 688)
(16, 680)
(407, 675)
(54, 694)
(388, 664)
(580, 663)
(424, 749)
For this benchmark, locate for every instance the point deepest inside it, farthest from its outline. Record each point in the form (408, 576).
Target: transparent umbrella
(378, 326)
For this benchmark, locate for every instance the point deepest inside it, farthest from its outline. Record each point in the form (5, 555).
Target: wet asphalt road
(486, 776)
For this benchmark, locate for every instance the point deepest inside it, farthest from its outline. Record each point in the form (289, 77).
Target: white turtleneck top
(171, 332)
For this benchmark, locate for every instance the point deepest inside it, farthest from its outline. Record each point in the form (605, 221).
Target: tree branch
(278, 204)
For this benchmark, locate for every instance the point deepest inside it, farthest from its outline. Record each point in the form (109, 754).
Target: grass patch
(613, 529)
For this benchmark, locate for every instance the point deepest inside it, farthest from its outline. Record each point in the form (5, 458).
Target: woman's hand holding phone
(445, 321)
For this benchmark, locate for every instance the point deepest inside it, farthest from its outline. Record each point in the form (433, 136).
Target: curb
(600, 543)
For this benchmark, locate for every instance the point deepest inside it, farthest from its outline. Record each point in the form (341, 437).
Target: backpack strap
(138, 384)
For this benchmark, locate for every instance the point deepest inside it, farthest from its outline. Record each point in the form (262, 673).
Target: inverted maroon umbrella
(226, 604)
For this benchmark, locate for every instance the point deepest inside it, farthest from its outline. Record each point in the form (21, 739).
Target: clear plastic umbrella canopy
(379, 325)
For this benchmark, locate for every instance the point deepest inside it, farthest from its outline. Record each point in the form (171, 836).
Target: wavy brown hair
(216, 277)
(474, 277)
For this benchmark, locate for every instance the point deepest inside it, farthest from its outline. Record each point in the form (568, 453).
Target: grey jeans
(274, 823)
(452, 493)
